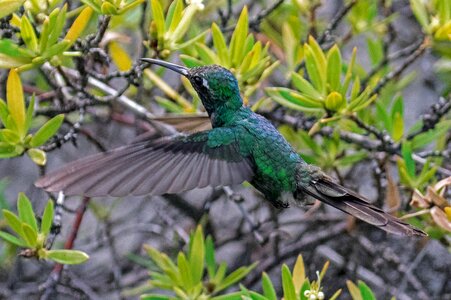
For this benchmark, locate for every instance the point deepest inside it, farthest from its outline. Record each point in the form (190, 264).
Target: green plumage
(242, 146)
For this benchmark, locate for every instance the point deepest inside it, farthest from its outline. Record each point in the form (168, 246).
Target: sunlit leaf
(197, 255)
(10, 6)
(334, 68)
(12, 239)
(28, 35)
(239, 37)
(79, 25)
(15, 100)
(47, 218)
(120, 57)
(68, 257)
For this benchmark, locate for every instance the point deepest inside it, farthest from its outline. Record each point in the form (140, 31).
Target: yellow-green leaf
(298, 273)
(220, 45)
(108, 9)
(79, 25)
(120, 57)
(354, 290)
(67, 257)
(305, 87)
(10, 6)
(28, 35)
(334, 68)
(158, 17)
(239, 38)
(197, 255)
(13, 221)
(31, 235)
(37, 156)
(14, 98)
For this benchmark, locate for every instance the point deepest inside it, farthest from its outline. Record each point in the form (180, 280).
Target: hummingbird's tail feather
(356, 205)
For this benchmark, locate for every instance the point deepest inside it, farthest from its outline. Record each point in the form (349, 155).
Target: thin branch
(335, 21)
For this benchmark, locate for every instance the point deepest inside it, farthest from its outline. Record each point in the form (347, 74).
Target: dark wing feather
(165, 165)
(356, 205)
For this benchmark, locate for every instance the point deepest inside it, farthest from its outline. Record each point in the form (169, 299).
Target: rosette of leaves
(325, 92)
(195, 275)
(16, 120)
(329, 153)
(45, 46)
(434, 17)
(246, 58)
(112, 7)
(167, 32)
(33, 237)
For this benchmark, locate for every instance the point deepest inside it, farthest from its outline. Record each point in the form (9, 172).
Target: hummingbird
(241, 146)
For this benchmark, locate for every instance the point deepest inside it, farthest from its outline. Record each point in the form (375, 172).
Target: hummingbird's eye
(197, 80)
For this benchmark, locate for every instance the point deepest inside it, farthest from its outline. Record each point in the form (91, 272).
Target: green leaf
(11, 49)
(154, 297)
(231, 296)
(158, 17)
(57, 19)
(28, 35)
(174, 15)
(47, 131)
(67, 257)
(268, 288)
(108, 9)
(305, 286)
(313, 69)
(334, 68)
(47, 218)
(10, 6)
(398, 127)
(305, 87)
(206, 55)
(294, 100)
(210, 257)
(12, 239)
(38, 156)
(234, 277)
(406, 150)
(289, 292)
(425, 138)
(351, 159)
(29, 115)
(220, 45)
(197, 255)
(185, 272)
(31, 235)
(9, 136)
(3, 111)
(420, 12)
(238, 39)
(319, 56)
(13, 221)
(15, 100)
(56, 49)
(93, 4)
(365, 291)
(26, 213)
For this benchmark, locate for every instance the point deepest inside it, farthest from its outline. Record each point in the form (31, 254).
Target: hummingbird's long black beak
(176, 68)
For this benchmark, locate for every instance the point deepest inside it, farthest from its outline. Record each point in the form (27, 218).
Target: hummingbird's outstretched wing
(356, 205)
(165, 165)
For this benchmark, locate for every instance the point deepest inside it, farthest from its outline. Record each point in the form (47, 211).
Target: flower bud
(334, 101)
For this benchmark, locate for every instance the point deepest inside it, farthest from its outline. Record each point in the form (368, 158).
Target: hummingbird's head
(215, 85)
